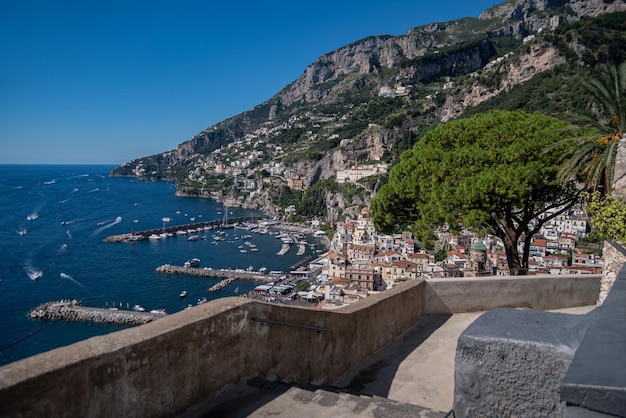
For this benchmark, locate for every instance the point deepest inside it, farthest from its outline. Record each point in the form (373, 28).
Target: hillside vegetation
(363, 104)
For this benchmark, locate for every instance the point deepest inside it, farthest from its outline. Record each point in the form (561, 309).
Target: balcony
(393, 353)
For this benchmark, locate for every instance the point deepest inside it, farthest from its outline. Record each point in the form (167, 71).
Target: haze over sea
(52, 223)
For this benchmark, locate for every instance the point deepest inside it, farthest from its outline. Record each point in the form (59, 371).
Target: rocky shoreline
(70, 310)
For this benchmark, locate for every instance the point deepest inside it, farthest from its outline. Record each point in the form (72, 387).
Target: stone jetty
(221, 284)
(209, 272)
(214, 224)
(71, 310)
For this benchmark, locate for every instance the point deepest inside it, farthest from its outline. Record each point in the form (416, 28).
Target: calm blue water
(52, 223)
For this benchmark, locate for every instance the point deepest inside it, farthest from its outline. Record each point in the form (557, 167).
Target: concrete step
(278, 400)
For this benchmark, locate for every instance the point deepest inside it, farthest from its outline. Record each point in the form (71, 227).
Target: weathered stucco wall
(542, 292)
(164, 367)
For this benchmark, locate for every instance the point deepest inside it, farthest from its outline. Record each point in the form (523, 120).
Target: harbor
(71, 310)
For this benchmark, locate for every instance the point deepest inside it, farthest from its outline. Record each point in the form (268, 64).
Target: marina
(63, 256)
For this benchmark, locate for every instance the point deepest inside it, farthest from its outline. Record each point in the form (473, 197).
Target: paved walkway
(411, 377)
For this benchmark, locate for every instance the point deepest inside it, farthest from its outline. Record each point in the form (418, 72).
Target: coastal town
(352, 260)
(360, 261)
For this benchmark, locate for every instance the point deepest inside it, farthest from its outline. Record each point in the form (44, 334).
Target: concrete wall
(542, 292)
(510, 363)
(162, 368)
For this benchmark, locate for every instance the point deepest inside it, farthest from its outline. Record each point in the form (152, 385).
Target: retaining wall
(542, 292)
(164, 367)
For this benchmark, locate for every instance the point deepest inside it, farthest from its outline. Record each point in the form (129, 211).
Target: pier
(71, 310)
(197, 226)
(208, 272)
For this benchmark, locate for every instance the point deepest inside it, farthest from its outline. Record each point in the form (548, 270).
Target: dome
(478, 246)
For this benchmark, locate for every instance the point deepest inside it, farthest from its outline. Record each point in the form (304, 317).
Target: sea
(53, 219)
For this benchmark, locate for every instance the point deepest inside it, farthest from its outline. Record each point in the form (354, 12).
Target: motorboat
(194, 262)
(183, 294)
(158, 311)
(139, 308)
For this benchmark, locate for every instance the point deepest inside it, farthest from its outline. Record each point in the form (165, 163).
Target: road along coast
(70, 310)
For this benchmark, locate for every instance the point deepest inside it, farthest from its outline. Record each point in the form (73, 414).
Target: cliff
(368, 101)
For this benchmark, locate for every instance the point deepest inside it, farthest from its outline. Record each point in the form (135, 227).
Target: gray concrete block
(510, 362)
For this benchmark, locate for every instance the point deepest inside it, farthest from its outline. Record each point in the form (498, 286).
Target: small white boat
(201, 301)
(158, 311)
(193, 238)
(139, 308)
(183, 294)
(154, 237)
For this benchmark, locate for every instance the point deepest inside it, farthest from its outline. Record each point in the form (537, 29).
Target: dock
(214, 273)
(71, 310)
(197, 226)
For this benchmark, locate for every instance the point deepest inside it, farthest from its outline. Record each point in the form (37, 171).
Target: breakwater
(214, 224)
(71, 310)
(209, 272)
(221, 284)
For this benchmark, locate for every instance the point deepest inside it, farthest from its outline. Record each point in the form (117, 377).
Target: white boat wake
(67, 276)
(32, 272)
(107, 226)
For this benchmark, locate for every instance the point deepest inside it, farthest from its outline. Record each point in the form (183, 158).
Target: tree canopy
(490, 172)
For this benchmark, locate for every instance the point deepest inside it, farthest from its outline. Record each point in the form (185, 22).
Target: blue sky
(104, 82)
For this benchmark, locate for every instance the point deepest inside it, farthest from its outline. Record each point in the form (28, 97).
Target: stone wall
(511, 362)
(614, 257)
(164, 367)
(543, 292)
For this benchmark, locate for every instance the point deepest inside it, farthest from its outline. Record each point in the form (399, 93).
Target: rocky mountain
(323, 144)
